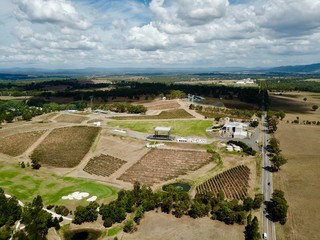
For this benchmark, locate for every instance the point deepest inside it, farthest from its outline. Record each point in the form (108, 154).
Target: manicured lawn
(26, 184)
(186, 128)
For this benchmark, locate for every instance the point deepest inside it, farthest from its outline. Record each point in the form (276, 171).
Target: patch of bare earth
(161, 226)
(103, 165)
(299, 179)
(16, 144)
(162, 165)
(66, 147)
(162, 105)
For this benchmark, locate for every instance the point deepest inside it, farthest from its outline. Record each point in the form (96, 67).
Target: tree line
(142, 199)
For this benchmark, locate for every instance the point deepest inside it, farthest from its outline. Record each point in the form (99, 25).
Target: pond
(82, 234)
(181, 186)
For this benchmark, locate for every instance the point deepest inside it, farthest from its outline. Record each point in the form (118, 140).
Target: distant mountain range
(311, 68)
(22, 73)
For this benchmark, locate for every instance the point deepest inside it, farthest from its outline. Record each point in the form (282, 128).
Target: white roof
(162, 129)
(236, 124)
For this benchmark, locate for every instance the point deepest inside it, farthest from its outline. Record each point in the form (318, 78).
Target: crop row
(103, 165)
(233, 182)
(162, 165)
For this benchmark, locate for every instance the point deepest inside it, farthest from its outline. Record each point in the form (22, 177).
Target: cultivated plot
(16, 144)
(65, 147)
(162, 165)
(103, 165)
(233, 182)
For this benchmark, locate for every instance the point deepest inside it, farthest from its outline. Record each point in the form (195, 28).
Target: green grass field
(183, 128)
(26, 184)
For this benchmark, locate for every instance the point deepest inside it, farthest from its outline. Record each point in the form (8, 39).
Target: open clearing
(65, 147)
(299, 179)
(170, 114)
(162, 165)
(25, 184)
(69, 118)
(161, 226)
(161, 104)
(187, 128)
(292, 102)
(16, 144)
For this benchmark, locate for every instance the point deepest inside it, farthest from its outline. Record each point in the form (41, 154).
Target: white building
(235, 129)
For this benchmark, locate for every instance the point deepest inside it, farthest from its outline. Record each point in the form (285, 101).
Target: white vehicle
(264, 235)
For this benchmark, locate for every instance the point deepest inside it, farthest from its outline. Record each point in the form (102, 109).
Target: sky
(158, 33)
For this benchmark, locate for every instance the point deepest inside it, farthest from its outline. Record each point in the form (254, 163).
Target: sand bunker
(76, 196)
(79, 196)
(93, 198)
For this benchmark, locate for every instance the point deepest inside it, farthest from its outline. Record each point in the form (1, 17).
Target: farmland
(179, 127)
(233, 182)
(162, 165)
(65, 147)
(103, 165)
(299, 177)
(68, 118)
(16, 144)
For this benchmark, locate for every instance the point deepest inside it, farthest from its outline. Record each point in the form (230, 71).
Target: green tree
(248, 203)
(277, 161)
(128, 226)
(26, 115)
(36, 219)
(279, 207)
(9, 117)
(35, 164)
(315, 107)
(252, 229)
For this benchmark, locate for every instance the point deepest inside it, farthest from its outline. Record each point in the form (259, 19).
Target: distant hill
(311, 68)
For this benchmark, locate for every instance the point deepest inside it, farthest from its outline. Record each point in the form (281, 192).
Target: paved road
(266, 183)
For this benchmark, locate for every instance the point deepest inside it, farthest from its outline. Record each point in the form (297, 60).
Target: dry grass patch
(299, 179)
(66, 147)
(162, 165)
(171, 114)
(162, 226)
(68, 118)
(161, 105)
(103, 165)
(15, 145)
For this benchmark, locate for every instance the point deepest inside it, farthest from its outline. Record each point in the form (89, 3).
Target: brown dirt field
(161, 226)
(292, 102)
(162, 165)
(162, 105)
(16, 144)
(66, 147)
(231, 103)
(45, 117)
(299, 179)
(68, 118)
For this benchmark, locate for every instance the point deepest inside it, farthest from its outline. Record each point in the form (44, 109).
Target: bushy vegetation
(217, 113)
(142, 199)
(278, 207)
(122, 107)
(293, 85)
(36, 220)
(245, 148)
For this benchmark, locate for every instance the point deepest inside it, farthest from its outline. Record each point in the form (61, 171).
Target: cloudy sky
(158, 33)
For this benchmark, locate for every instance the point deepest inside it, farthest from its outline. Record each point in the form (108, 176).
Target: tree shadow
(269, 169)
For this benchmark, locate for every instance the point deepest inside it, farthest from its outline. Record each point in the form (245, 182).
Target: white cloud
(193, 33)
(51, 11)
(147, 38)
